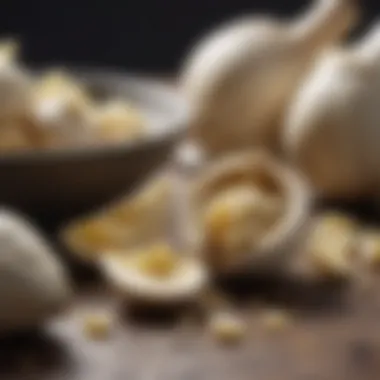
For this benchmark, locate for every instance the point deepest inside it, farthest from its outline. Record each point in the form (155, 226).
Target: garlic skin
(331, 130)
(160, 282)
(238, 79)
(33, 283)
(264, 243)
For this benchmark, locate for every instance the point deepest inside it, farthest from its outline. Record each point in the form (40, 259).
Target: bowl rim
(177, 122)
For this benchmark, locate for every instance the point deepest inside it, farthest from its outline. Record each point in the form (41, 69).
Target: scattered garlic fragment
(331, 245)
(97, 326)
(155, 274)
(227, 328)
(276, 321)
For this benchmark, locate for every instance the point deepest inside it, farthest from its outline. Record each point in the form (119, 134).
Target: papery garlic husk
(240, 77)
(266, 207)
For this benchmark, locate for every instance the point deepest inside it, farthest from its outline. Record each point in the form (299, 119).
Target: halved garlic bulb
(137, 217)
(155, 274)
(248, 207)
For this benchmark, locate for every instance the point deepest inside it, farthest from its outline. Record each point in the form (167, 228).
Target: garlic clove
(62, 110)
(154, 274)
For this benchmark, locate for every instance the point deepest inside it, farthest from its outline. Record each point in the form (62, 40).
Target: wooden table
(335, 336)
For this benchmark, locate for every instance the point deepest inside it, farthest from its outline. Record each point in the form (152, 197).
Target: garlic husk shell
(274, 250)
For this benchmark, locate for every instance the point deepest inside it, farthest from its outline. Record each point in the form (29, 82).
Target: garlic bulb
(62, 111)
(239, 78)
(33, 283)
(332, 129)
(155, 274)
(249, 208)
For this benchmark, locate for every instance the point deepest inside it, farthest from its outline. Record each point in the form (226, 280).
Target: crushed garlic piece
(118, 121)
(331, 245)
(97, 326)
(276, 321)
(227, 328)
(158, 261)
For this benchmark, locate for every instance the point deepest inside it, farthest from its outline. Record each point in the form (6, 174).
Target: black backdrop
(148, 35)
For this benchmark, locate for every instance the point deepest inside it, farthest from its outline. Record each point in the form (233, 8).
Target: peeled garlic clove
(331, 245)
(33, 283)
(154, 274)
(139, 216)
(238, 79)
(251, 209)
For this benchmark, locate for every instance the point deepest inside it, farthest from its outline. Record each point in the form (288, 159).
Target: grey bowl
(52, 186)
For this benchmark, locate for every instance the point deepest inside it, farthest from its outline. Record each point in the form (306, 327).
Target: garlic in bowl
(250, 209)
(155, 274)
(68, 181)
(61, 110)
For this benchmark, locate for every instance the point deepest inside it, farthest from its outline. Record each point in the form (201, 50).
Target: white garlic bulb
(33, 283)
(239, 78)
(332, 129)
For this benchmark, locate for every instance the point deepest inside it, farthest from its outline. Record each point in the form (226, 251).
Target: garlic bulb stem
(368, 48)
(324, 22)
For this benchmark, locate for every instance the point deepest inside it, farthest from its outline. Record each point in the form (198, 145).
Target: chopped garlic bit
(97, 326)
(119, 121)
(276, 320)
(237, 219)
(331, 245)
(227, 328)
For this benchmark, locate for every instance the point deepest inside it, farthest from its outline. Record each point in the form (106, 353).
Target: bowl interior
(53, 184)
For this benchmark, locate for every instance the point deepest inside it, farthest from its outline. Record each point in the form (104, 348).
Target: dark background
(143, 35)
